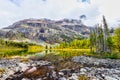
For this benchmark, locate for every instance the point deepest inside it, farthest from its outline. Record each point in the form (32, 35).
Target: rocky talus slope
(85, 68)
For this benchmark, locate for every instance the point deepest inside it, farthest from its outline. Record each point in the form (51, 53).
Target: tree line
(15, 44)
(102, 41)
(75, 44)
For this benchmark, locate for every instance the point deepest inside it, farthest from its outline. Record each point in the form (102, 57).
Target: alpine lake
(63, 53)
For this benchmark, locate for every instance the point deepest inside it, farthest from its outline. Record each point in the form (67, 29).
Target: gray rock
(93, 68)
(73, 77)
(15, 65)
(108, 63)
(110, 78)
(25, 79)
(62, 78)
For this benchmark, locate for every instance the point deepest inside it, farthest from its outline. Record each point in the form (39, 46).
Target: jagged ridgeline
(45, 30)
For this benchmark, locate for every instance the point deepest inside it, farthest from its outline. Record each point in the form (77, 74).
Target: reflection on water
(25, 53)
(19, 53)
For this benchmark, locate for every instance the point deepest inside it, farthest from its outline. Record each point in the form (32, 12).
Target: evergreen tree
(46, 47)
(117, 38)
(100, 38)
(107, 37)
(91, 40)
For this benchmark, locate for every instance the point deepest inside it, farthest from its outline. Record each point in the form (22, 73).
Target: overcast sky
(15, 10)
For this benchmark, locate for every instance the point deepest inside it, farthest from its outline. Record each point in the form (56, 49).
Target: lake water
(26, 54)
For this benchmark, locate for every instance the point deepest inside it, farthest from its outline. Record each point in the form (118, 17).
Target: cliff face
(45, 30)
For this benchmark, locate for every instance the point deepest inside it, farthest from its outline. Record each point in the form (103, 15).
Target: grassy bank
(9, 48)
(69, 53)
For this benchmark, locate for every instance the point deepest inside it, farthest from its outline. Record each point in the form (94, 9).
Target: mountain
(45, 30)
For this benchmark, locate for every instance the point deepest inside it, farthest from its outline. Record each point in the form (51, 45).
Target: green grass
(35, 48)
(113, 55)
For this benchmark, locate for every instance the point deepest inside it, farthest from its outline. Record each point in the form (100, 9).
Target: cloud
(15, 10)
(16, 2)
(84, 1)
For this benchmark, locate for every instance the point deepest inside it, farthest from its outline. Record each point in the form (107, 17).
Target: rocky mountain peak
(47, 30)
